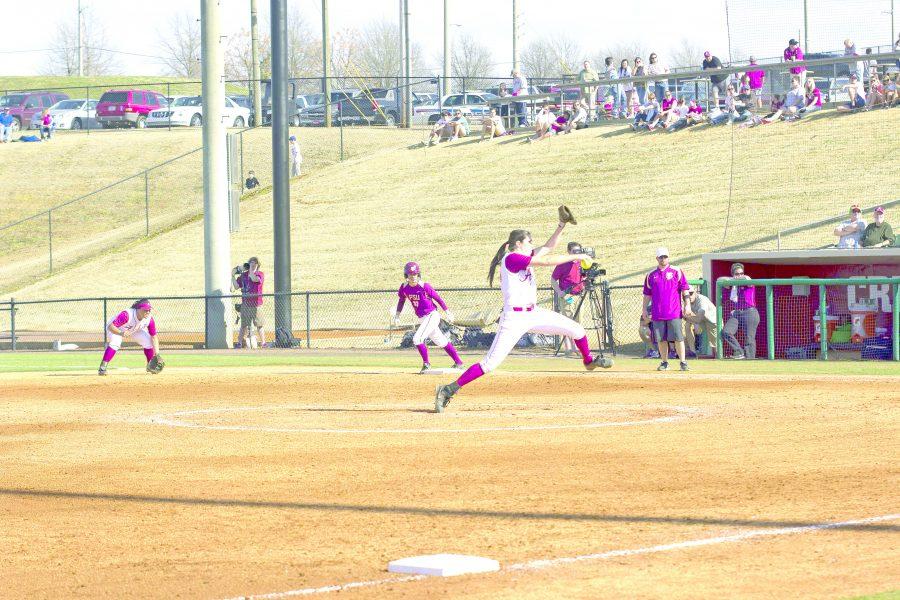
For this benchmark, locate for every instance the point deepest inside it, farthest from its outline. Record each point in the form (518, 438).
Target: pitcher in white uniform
(517, 258)
(135, 323)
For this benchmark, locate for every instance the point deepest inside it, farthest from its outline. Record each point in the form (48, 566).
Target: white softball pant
(430, 328)
(141, 337)
(514, 324)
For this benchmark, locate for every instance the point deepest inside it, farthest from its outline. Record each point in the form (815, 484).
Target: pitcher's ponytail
(516, 235)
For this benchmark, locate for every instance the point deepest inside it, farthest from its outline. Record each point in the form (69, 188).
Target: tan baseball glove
(566, 216)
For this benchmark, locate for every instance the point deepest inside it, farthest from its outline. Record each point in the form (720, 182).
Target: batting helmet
(411, 268)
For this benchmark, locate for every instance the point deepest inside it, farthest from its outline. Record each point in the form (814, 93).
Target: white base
(443, 565)
(447, 371)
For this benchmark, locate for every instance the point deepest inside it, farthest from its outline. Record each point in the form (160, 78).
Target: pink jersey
(665, 287)
(695, 110)
(756, 79)
(517, 281)
(569, 277)
(795, 54)
(251, 290)
(667, 103)
(129, 324)
(815, 95)
(422, 296)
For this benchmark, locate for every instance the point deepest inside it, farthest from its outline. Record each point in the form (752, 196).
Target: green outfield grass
(16, 362)
(894, 595)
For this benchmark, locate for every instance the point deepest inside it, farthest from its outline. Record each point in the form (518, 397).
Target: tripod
(601, 317)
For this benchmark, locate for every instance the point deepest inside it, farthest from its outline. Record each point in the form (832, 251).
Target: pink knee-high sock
(148, 352)
(108, 354)
(471, 374)
(423, 350)
(451, 350)
(585, 349)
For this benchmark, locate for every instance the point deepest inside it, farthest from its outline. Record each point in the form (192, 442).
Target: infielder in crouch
(516, 259)
(136, 323)
(423, 297)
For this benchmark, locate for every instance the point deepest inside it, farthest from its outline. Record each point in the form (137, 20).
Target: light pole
(447, 57)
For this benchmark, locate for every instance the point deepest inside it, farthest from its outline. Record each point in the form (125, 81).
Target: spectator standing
(666, 287)
(612, 90)
(46, 125)
(851, 231)
(897, 49)
(252, 182)
(654, 69)
(794, 53)
(757, 81)
(639, 71)
(250, 282)
(850, 50)
(296, 157)
(589, 93)
(6, 121)
(870, 66)
(626, 91)
(702, 320)
(878, 234)
(717, 81)
(503, 92)
(520, 88)
(743, 315)
(568, 283)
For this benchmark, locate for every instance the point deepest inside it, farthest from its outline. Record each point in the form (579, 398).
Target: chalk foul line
(534, 565)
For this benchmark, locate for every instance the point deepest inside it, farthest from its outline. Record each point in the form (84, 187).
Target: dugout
(859, 316)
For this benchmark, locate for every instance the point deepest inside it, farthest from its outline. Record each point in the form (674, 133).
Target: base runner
(423, 298)
(516, 259)
(135, 323)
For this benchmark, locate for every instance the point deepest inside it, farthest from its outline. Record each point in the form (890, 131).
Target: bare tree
(620, 52)
(471, 60)
(686, 54)
(180, 45)
(551, 57)
(97, 58)
(238, 64)
(304, 48)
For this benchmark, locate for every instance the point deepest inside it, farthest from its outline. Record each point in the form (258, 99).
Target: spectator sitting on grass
(665, 106)
(438, 130)
(557, 126)
(459, 126)
(856, 92)
(776, 110)
(579, 118)
(646, 114)
(795, 100)
(492, 126)
(745, 93)
(812, 98)
(677, 116)
(733, 110)
(851, 231)
(695, 113)
(879, 233)
(876, 92)
(890, 90)
(543, 120)
(252, 181)
(757, 80)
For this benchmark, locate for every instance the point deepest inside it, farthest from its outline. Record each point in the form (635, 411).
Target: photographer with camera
(249, 279)
(567, 282)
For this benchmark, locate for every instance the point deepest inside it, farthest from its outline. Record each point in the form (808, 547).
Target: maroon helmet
(411, 268)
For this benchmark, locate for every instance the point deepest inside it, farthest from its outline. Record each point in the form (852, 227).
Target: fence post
(50, 236)
(87, 110)
(823, 324)
(341, 127)
(770, 321)
(147, 202)
(704, 289)
(105, 317)
(206, 321)
(719, 354)
(307, 320)
(169, 104)
(778, 246)
(896, 322)
(12, 322)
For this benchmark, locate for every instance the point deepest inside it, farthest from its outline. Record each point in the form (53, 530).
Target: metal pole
(50, 236)
(719, 355)
(447, 56)
(326, 62)
(147, 203)
(12, 322)
(770, 321)
(515, 36)
(704, 289)
(823, 325)
(896, 322)
(407, 69)
(307, 320)
(281, 193)
(254, 68)
(216, 240)
(87, 110)
(80, 47)
(401, 98)
(341, 127)
(105, 316)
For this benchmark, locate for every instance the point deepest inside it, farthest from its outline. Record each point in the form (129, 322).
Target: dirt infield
(221, 483)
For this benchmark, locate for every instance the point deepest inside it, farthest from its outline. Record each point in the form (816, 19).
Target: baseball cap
(855, 208)
(707, 54)
(293, 138)
(662, 251)
(879, 210)
(792, 42)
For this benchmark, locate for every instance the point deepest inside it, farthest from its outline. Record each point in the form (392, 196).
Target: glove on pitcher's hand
(566, 216)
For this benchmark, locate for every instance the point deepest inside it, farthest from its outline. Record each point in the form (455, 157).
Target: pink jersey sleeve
(682, 281)
(647, 290)
(517, 262)
(434, 295)
(402, 299)
(151, 327)
(120, 319)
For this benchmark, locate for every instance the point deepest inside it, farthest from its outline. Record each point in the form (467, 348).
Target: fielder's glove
(155, 364)
(566, 216)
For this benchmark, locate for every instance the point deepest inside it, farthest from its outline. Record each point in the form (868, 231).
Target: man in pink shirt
(757, 80)
(250, 282)
(793, 53)
(667, 291)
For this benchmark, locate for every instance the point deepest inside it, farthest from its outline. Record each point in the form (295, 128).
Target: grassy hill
(449, 207)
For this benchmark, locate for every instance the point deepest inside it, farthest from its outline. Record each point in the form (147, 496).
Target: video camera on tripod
(595, 296)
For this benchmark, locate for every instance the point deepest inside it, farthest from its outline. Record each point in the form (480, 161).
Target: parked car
(472, 104)
(424, 99)
(245, 102)
(128, 108)
(70, 114)
(188, 112)
(347, 109)
(22, 106)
